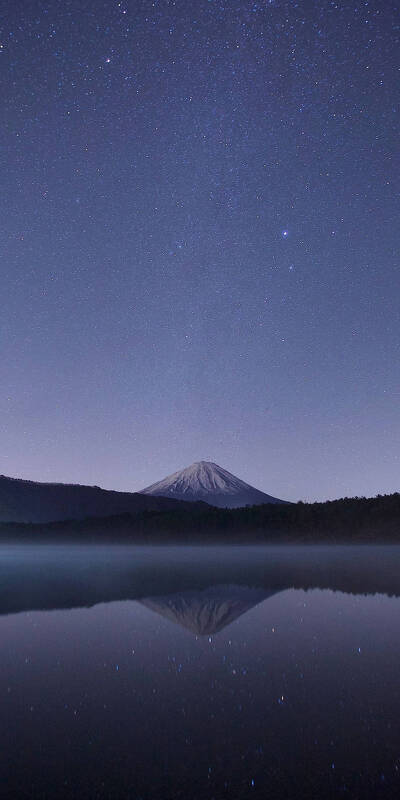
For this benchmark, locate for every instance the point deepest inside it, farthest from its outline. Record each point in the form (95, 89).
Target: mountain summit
(206, 481)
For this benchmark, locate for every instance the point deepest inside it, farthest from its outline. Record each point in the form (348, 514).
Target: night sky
(199, 242)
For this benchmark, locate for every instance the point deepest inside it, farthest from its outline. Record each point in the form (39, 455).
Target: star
(218, 124)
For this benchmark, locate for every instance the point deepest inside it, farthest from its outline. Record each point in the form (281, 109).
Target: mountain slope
(28, 501)
(206, 481)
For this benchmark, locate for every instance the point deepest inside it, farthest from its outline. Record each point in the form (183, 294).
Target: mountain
(207, 611)
(28, 501)
(206, 481)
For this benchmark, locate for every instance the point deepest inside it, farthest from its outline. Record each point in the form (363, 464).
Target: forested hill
(34, 502)
(356, 519)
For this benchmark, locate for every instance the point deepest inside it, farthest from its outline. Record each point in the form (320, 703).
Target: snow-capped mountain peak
(209, 482)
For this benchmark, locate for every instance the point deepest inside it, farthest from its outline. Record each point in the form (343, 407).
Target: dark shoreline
(349, 520)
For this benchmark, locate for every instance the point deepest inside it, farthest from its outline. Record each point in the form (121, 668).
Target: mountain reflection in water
(167, 673)
(43, 577)
(207, 611)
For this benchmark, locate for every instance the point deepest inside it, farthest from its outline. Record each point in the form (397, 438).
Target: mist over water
(185, 672)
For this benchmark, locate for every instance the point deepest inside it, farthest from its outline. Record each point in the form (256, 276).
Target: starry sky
(199, 242)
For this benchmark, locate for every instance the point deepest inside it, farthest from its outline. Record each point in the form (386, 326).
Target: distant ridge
(30, 501)
(210, 483)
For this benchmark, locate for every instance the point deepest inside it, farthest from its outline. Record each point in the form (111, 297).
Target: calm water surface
(181, 673)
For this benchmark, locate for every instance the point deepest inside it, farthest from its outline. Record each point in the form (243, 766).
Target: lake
(149, 673)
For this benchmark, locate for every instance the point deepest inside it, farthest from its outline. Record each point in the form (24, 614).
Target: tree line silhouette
(356, 519)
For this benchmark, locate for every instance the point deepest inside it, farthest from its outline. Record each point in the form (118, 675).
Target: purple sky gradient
(199, 247)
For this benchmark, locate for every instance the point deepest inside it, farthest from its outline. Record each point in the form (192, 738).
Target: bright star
(285, 234)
